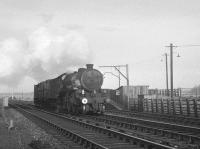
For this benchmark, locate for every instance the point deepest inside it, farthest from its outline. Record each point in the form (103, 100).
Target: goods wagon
(77, 92)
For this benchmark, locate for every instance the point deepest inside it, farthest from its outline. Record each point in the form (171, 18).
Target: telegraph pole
(128, 96)
(119, 78)
(171, 70)
(166, 74)
(171, 46)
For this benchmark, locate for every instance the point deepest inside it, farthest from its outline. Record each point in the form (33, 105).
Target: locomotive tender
(78, 92)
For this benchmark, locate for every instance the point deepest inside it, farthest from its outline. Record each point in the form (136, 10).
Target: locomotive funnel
(89, 66)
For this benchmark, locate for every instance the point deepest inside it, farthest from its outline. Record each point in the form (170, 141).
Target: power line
(171, 46)
(190, 45)
(166, 65)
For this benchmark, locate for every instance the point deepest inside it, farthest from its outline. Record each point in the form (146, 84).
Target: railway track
(183, 120)
(86, 134)
(164, 133)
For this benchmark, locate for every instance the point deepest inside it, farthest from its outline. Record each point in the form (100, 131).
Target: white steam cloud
(46, 53)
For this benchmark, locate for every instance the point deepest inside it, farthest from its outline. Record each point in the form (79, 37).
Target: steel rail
(193, 121)
(163, 134)
(128, 138)
(154, 122)
(64, 131)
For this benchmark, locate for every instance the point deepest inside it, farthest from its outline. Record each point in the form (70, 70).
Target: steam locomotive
(75, 93)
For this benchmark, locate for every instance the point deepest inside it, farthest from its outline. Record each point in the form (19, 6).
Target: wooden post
(174, 107)
(188, 107)
(168, 106)
(156, 105)
(147, 101)
(181, 110)
(140, 103)
(162, 107)
(195, 108)
(134, 105)
(152, 110)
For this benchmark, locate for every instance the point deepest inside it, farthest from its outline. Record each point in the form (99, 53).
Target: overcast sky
(40, 39)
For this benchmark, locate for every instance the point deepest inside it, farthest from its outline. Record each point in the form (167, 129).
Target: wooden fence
(177, 106)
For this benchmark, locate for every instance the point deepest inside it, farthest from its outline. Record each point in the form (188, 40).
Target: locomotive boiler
(78, 92)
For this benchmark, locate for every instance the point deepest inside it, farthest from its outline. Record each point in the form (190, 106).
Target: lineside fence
(177, 106)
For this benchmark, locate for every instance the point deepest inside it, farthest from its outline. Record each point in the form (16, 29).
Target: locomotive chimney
(89, 66)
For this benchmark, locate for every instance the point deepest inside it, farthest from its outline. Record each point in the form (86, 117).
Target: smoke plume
(44, 54)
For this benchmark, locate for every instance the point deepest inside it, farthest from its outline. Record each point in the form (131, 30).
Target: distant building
(5, 102)
(19, 96)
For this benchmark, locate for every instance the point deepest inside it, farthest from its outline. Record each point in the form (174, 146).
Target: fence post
(152, 110)
(180, 105)
(140, 103)
(195, 108)
(134, 105)
(162, 106)
(173, 106)
(145, 105)
(168, 107)
(156, 105)
(147, 101)
(188, 107)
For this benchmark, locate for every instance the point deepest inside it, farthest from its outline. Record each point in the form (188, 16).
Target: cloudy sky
(40, 39)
